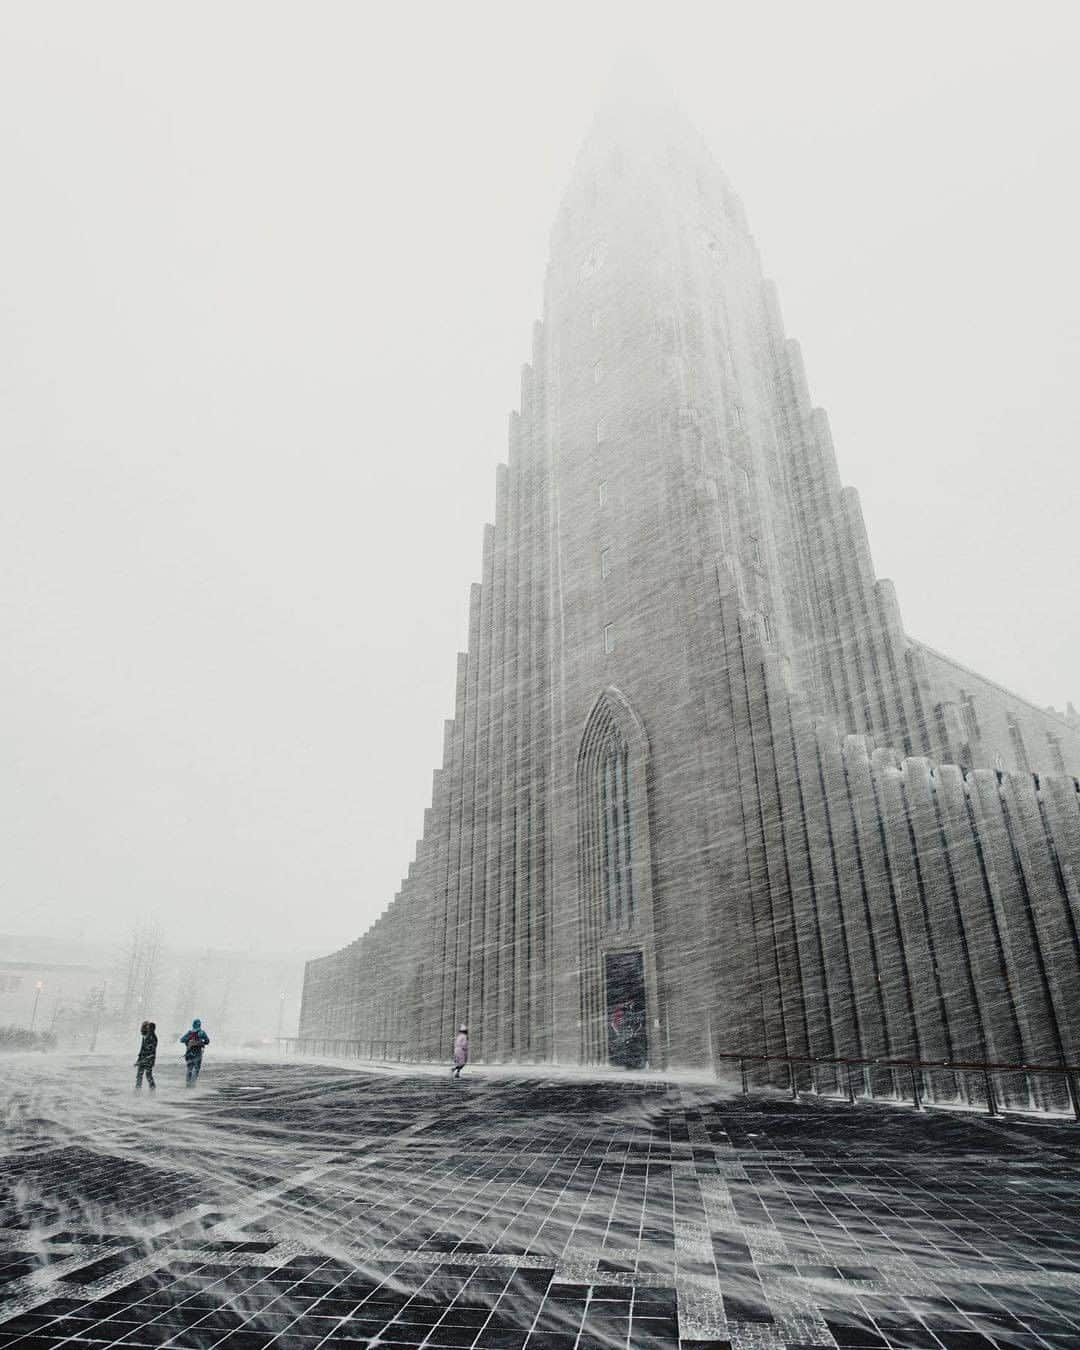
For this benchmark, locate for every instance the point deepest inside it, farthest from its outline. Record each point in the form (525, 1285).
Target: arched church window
(614, 876)
(605, 782)
(615, 811)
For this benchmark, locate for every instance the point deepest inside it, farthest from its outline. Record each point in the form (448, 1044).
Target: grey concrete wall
(831, 864)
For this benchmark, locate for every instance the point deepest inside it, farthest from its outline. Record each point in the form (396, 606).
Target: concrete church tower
(701, 792)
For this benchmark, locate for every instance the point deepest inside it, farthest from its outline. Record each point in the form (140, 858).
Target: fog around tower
(267, 279)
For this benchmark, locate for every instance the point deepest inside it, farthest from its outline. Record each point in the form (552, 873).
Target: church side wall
(867, 905)
(833, 865)
(995, 728)
(901, 908)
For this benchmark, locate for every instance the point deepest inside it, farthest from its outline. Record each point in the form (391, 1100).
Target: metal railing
(914, 1070)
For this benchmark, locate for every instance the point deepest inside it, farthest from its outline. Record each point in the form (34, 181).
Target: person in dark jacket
(147, 1054)
(195, 1042)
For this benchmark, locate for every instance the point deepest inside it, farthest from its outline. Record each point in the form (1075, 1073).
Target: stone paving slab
(298, 1205)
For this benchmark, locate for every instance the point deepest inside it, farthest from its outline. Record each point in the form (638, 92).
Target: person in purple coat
(461, 1051)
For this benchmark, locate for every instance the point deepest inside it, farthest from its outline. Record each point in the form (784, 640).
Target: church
(702, 793)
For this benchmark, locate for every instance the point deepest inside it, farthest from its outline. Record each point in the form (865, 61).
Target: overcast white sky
(267, 278)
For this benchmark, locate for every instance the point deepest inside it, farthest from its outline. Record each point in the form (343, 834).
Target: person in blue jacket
(195, 1042)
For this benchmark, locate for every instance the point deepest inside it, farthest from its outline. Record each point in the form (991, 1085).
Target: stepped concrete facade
(701, 792)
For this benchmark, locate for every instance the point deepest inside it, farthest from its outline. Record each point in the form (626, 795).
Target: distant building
(701, 791)
(245, 998)
(47, 983)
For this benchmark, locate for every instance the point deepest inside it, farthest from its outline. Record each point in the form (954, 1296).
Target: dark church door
(627, 1036)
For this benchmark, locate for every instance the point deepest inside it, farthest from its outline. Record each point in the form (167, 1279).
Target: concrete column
(757, 973)
(892, 968)
(452, 1009)
(800, 877)
(834, 952)
(466, 953)
(999, 1031)
(483, 791)
(493, 850)
(508, 821)
(853, 919)
(1026, 980)
(906, 884)
(1048, 907)
(777, 891)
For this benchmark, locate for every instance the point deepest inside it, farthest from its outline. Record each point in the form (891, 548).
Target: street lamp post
(97, 1005)
(37, 994)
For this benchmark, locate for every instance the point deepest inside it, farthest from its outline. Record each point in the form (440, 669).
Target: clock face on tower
(594, 259)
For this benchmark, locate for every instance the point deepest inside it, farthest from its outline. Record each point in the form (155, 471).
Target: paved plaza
(300, 1205)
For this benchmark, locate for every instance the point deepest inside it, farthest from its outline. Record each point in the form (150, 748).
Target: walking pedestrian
(147, 1055)
(461, 1051)
(195, 1042)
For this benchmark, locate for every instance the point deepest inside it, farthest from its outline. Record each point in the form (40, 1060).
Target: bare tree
(140, 969)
